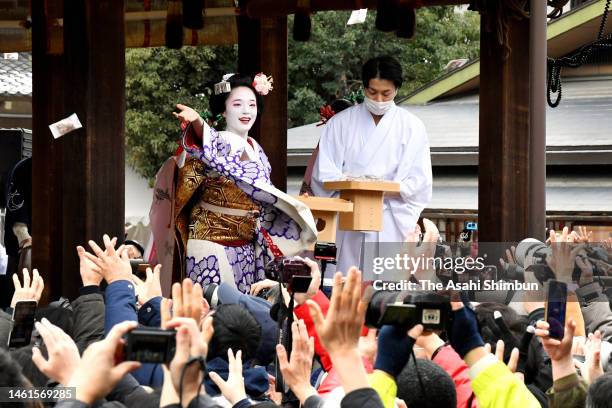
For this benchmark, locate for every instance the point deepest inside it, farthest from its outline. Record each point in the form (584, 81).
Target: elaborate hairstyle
(217, 101)
(384, 67)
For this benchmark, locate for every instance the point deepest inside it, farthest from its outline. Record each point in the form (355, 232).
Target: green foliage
(329, 65)
(321, 70)
(156, 80)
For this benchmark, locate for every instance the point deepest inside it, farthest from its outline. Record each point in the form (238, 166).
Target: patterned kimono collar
(238, 142)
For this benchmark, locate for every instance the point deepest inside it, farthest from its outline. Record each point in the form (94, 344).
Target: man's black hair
(437, 388)
(217, 102)
(235, 328)
(384, 67)
(600, 392)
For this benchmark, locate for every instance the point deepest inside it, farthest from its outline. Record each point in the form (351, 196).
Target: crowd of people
(228, 351)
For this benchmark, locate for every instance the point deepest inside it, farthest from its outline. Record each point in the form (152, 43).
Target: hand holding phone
(23, 323)
(555, 308)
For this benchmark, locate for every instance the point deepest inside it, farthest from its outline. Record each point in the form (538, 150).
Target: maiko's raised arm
(189, 116)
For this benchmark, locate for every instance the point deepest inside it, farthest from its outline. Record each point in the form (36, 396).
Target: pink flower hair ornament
(263, 83)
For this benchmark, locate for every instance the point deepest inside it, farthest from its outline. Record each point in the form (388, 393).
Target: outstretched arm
(189, 116)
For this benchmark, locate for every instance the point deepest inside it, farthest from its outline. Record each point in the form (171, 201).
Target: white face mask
(240, 111)
(378, 108)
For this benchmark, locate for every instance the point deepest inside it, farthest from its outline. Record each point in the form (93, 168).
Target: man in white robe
(377, 139)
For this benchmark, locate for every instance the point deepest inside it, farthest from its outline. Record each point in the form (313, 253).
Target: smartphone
(23, 324)
(139, 268)
(471, 225)
(554, 312)
(150, 345)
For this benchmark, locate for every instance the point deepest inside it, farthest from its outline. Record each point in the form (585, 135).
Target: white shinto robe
(396, 149)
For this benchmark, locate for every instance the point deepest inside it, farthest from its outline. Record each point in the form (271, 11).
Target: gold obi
(218, 210)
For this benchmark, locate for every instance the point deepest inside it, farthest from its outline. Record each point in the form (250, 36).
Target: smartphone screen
(556, 300)
(23, 324)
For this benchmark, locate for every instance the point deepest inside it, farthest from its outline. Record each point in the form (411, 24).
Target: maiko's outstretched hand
(189, 116)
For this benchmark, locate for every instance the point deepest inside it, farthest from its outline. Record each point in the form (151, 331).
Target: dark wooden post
(507, 167)
(79, 179)
(262, 47)
(537, 151)
(47, 107)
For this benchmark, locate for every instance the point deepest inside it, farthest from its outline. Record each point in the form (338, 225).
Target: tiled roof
(16, 75)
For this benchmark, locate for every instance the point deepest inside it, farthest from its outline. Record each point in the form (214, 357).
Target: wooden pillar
(79, 178)
(538, 24)
(47, 107)
(506, 166)
(262, 47)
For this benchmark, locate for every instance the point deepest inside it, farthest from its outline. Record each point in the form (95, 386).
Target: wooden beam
(262, 47)
(276, 8)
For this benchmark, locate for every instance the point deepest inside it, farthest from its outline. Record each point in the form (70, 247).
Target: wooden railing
(451, 223)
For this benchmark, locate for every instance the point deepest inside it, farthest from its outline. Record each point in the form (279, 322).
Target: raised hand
(261, 285)
(98, 372)
(150, 287)
(583, 235)
(592, 368)
(315, 283)
(296, 370)
(91, 274)
(427, 249)
(187, 301)
(563, 257)
(190, 342)
(512, 361)
(233, 389)
(31, 290)
(186, 114)
(63, 354)
(114, 264)
(559, 351)
(339, 331)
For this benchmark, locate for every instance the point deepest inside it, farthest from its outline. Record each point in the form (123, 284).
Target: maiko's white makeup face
(240, 110)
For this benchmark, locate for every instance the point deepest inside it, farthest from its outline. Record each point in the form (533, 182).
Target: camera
(539, 251)
(292, 272)
(534, 248)
(150, 345)
(325, 251)
(432, 310)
